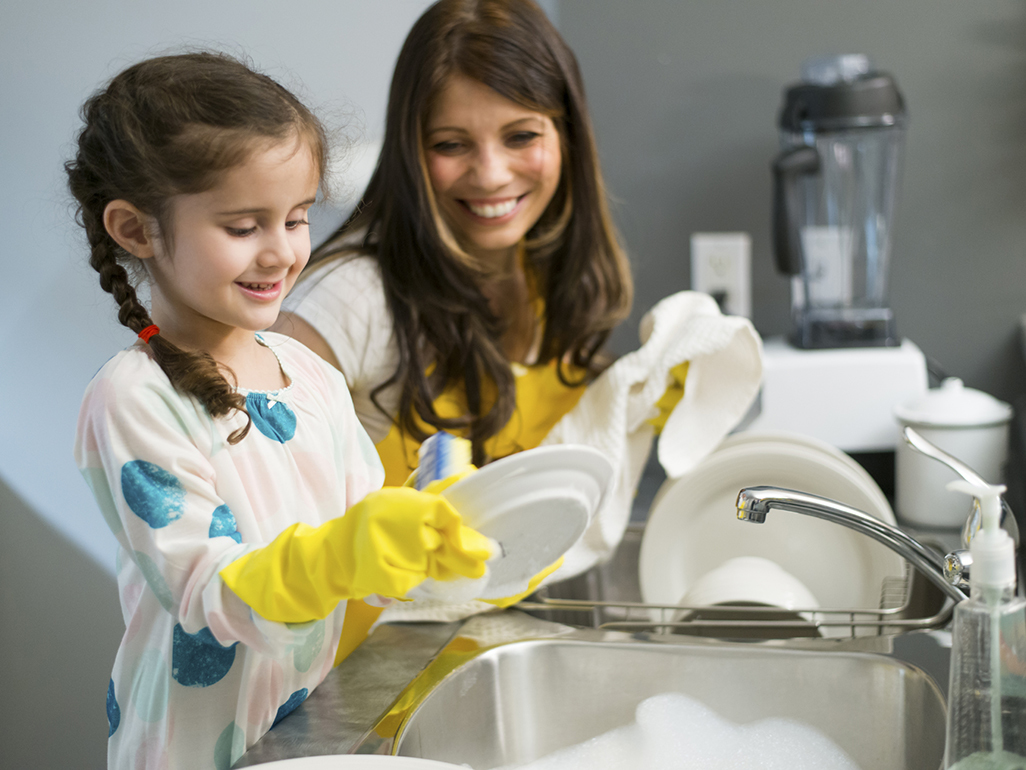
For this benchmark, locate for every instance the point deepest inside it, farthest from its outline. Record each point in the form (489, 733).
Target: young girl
(224, 459)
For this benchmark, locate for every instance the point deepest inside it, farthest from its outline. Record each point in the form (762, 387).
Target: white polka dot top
(199, 677)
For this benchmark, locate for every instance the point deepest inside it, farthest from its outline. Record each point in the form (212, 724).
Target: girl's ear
(130, 228)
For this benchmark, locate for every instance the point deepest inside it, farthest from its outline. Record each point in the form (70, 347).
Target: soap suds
(675, 732)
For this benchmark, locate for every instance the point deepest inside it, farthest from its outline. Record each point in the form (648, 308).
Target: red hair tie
(148, 332)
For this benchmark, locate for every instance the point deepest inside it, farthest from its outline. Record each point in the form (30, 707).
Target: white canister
(966, 423)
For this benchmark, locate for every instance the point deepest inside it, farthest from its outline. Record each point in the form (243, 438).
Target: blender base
(844, 396)
(845, 328)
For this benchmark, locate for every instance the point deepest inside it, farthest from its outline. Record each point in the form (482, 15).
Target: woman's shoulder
(344, 302)
(354, 276)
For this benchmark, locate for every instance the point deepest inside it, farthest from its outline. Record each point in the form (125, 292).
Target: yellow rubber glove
(532, 584)
(670, 398)
(386, 544)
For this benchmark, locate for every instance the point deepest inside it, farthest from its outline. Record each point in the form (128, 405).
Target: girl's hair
(431, 284)
(168, 126)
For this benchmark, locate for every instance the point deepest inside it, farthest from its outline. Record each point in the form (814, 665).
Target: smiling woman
(474, 287)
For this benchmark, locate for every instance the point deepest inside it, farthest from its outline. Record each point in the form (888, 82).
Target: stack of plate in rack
(693, 527)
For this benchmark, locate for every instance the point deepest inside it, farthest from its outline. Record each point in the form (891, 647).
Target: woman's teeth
(491, 211)
(258, 286)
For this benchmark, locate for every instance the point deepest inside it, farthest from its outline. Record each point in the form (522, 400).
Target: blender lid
(839, 93)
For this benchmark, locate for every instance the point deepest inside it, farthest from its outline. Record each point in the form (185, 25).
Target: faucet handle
(956, 567)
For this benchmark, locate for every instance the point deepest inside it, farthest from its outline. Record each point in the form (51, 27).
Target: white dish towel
(724, 375)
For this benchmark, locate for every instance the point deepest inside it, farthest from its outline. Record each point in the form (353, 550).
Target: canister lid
(955, 406)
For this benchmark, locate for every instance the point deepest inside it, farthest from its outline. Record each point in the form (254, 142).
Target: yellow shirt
(541, 401)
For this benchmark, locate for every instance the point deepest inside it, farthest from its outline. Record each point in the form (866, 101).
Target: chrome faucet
(753, 503)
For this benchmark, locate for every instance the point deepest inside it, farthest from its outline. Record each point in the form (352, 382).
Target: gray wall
(684, 97)
(60, 625)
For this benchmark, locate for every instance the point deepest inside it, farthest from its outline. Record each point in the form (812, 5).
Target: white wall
(59, 327)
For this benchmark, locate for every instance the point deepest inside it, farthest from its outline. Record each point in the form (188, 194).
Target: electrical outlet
(721, 265)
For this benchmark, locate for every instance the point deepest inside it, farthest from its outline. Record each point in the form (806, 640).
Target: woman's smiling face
(493, 164)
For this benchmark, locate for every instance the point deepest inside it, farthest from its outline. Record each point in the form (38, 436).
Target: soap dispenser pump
(987, 690)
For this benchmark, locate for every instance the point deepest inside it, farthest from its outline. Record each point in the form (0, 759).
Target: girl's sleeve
(145, 452)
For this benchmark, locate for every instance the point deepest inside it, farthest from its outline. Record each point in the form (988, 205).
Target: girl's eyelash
(242, 232)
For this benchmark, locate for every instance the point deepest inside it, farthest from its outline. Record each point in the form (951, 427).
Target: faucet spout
(753, 503)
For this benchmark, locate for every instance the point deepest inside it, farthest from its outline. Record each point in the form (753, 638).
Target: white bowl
(693, 526)
(750, 580)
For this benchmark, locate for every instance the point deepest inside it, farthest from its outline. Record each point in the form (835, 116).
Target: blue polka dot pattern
(199, 660)
(229, 747)
(154, 495)
(223, 524)
(113, 710)
(272, 418)
(294, 701)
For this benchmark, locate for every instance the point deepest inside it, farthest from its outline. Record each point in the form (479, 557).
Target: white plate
(693, 525)
(536, 504)
(779, 436)
(358, 762)
(801, 439)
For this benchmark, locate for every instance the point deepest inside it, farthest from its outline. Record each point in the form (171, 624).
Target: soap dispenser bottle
(987, 690)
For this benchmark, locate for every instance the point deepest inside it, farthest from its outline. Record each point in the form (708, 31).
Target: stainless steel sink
(489, 701)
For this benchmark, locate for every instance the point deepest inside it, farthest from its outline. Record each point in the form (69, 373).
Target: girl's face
(237, 249)
(493, 164)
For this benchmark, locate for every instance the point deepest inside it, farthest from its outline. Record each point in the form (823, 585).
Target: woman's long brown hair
(170, 126)
(433, 289)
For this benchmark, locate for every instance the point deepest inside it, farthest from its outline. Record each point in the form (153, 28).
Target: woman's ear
(130, 228)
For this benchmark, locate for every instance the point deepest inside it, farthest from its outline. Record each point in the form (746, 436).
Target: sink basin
(493, 704)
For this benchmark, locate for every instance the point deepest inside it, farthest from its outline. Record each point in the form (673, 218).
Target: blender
(834, 187)
(839, 373)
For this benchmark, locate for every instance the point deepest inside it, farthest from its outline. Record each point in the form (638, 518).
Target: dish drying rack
(902, 609)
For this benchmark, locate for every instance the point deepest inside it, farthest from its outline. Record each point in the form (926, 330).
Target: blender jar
(835, 184)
